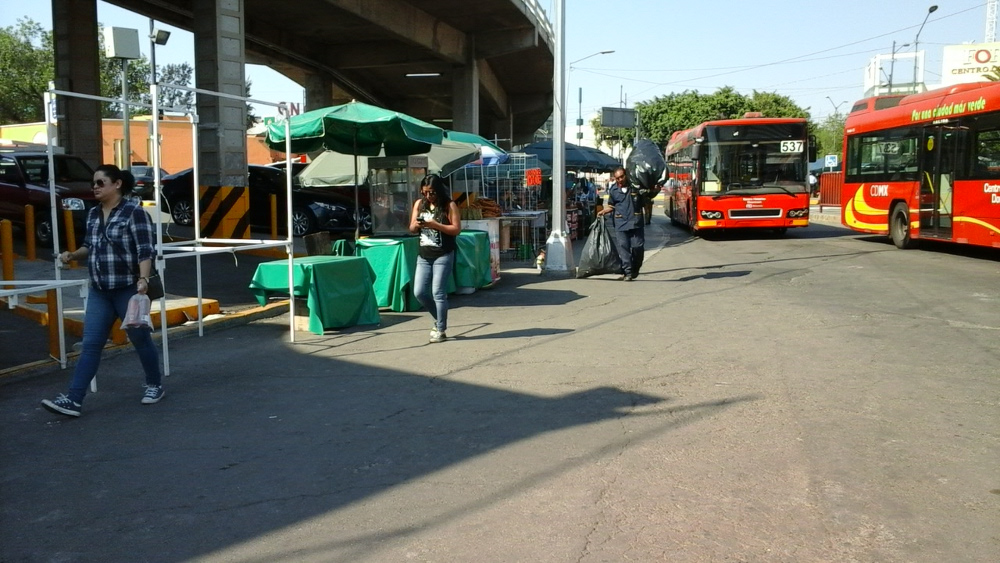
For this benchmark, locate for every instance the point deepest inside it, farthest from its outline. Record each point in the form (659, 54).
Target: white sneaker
(438, 336)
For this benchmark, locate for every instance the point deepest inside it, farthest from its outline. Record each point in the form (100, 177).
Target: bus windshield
(755, 159)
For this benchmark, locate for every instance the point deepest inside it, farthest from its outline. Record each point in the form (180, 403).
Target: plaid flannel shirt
(117, 247)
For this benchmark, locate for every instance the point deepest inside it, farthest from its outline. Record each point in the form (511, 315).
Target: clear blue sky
(805, 49)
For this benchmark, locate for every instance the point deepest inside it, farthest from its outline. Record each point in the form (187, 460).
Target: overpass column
(319, 92)
(77, 69)
(465, 98)
(219, 66)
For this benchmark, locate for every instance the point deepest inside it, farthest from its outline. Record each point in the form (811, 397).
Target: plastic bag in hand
(137, 315)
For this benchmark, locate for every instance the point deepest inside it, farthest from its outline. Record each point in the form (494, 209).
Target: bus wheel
(899, 227)
(672, 214)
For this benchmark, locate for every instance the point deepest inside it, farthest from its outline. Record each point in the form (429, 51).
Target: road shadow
(939, 247)
(256, 436)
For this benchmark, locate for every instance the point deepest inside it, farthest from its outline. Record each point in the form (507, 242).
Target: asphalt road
(816, 397)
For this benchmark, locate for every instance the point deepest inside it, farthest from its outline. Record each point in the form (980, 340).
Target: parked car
(144, 187)
(24, 180)
(313, 209)
(296, 166)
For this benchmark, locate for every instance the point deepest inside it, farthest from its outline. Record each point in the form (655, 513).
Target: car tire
(365, 220)
(303, 222)
(182, 212)
(43, 232)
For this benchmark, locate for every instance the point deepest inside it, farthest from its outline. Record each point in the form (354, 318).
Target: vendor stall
(510, 194)
(394, 261)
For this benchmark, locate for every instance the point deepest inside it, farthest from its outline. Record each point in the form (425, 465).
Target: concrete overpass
(491, 61)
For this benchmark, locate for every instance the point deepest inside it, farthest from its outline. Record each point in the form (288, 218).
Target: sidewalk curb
(186, 330)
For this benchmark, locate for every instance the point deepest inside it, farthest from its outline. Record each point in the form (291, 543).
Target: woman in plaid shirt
(118, 247)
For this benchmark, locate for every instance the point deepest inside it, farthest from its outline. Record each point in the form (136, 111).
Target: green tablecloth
(338, 289)
(472, 260)
(394, 261)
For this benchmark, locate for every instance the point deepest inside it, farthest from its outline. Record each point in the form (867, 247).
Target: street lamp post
(916, 45)
(836, 107)
(892, 63)
(579, 119)
(156, 37)
(558, 248)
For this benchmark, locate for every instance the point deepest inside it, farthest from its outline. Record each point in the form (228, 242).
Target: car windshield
(142, 170)
(68, 169)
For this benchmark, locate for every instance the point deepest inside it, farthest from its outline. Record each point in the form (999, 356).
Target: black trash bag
(599, 253)
(645, 166)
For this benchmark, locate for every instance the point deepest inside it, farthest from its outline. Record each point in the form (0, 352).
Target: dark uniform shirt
(627, 208)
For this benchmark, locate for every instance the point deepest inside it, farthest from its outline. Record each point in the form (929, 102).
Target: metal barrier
(830, 184)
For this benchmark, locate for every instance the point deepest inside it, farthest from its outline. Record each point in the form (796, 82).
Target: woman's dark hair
(435, 183)
(116, 174)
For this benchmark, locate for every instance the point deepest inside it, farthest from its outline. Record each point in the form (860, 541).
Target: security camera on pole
(123, 43)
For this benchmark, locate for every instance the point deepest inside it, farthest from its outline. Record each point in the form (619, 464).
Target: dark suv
(24, 180)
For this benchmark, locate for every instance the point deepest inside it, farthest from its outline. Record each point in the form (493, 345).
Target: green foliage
(993, 75)
(829, 135)
(175, 74)
(251, 119)
(27, 63)
(662, 116)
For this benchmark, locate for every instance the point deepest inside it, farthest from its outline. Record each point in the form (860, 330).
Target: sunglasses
(99, 183)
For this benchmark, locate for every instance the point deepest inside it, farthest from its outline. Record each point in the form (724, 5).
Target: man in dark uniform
(625, 204)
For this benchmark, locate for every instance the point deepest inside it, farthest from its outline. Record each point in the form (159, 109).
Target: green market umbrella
(355, 128)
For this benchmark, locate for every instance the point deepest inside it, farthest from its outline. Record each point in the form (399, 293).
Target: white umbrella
(336, 169)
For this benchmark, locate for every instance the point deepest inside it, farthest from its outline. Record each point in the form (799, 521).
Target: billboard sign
(618, 117)
(968, 63)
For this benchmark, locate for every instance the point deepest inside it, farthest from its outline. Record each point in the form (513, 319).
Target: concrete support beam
(465, 97)
(219, 66)
(77, 69)
(492, 90)
(409, 23)
(496, 43)
(319, 92)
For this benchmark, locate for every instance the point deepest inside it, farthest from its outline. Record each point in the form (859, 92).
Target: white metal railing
(533, 8)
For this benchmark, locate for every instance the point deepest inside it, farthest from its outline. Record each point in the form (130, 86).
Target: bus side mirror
(696, 152)
(812, 148)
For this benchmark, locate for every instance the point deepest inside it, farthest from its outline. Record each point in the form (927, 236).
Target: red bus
(740, 173)
(925, 166)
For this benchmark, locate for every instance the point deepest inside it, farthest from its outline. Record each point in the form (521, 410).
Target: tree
(829, 134)
(993, 75)
(28, 66)
(251, 118)
(171, 97)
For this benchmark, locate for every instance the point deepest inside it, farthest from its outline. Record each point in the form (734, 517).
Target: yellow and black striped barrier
(225, 212)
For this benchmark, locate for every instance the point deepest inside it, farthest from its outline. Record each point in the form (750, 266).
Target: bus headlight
(798, 213)
(73, 204)
(711, 215)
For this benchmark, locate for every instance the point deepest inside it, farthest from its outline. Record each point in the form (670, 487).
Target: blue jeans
(430, 286)
(103, 307)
